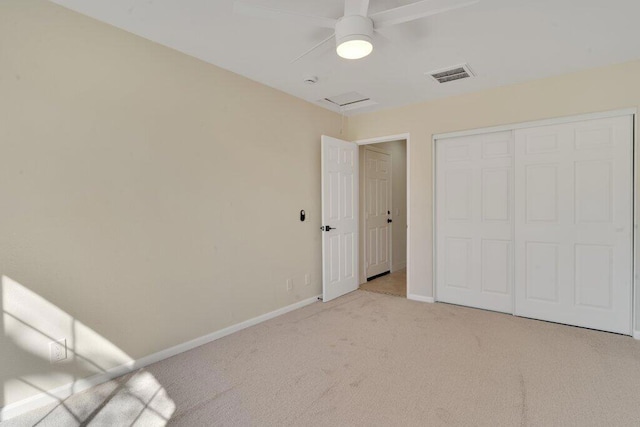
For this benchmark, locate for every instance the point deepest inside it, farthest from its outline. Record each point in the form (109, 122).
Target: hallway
(391, 284)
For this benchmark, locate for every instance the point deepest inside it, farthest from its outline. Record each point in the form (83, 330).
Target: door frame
(635, 315)
(362, 210)
(407, 137)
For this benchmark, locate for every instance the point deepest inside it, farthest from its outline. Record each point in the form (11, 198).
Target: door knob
(327, 228)
(389, 220)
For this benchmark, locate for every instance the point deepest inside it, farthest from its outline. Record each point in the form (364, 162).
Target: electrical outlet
(58, 350)
(307, 279)
(289, 284)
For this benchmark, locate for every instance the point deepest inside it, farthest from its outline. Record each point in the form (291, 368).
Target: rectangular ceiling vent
(452, 73)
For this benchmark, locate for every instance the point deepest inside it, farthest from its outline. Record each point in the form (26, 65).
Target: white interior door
(474, 217)
(339, 217)
(378, 212)
(574, 223)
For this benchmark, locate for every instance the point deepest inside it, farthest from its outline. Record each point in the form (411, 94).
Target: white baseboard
(636, 335)
(62, 392)
(398, 266)
(420, 298)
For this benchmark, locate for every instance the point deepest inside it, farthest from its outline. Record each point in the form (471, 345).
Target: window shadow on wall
(29, 323)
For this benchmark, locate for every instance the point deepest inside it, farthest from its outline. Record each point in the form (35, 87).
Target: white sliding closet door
(474, 214)
(573, 223)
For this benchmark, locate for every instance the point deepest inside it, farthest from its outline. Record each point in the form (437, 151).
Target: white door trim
(537, 123)
(433, 218)
(389, 138)
(558, 120)
(635, 316)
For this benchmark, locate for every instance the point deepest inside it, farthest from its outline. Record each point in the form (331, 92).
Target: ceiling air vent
(452, 73)
(347, 101)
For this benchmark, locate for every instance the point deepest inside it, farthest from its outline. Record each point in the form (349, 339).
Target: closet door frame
(635, 304)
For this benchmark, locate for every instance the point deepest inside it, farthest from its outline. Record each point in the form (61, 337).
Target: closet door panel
(573, 223)
(474, 221)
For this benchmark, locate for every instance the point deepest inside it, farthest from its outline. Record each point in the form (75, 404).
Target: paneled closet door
(573, 223)
(474, 211)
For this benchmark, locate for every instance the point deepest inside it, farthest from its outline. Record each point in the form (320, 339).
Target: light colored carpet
(369, 359)
(391, 284)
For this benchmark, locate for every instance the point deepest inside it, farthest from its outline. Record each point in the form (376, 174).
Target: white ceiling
(504, 42)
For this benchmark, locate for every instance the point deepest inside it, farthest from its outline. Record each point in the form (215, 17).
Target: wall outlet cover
(58, 350)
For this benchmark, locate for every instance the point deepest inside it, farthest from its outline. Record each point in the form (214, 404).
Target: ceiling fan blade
(356, 7)
(386, 42)
(394, 53)
(417, 10)
(313, 48)
(283, 15)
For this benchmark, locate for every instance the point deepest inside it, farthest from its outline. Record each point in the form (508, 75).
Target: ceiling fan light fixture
(354, 37)
(356, 48)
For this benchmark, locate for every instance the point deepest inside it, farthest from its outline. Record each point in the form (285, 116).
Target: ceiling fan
(354, 32)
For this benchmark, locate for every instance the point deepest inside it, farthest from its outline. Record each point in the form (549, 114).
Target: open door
(377, 212)
(339, 217)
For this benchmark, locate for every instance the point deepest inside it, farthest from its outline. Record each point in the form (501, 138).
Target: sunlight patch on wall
(31, 323)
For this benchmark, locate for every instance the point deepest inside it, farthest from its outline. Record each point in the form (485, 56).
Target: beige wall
(146, 198)
(398, 152)
(602, 89)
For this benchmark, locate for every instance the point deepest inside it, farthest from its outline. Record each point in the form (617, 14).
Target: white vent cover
(347, 101)
(450, 74)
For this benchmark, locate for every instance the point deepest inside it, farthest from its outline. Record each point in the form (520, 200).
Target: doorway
(383, 217)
